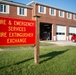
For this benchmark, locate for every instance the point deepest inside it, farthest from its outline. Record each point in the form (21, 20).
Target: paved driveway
(63, 43)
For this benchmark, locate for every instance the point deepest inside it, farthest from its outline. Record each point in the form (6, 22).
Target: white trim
(7, 9)
(54, 38)
(44, 9)
(74, 16)
(67, 37)
(25, 12)
(62, 14)
(39, 8)
(54, 12)
(70, 15)
(17, 10)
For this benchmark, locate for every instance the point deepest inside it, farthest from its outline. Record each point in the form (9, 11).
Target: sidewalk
(62, 43)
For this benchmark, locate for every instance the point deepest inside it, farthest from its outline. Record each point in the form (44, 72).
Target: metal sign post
(36, 50)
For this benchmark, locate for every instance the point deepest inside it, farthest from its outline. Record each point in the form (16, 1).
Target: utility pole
(36, 48)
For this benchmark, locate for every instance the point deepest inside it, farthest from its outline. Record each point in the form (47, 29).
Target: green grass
(54, 60)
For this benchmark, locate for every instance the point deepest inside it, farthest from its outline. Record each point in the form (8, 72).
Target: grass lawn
(54, 60)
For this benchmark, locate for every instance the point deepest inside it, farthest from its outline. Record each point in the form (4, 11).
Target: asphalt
(63, 43)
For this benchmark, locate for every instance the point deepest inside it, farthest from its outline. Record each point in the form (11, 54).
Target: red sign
(17, 31)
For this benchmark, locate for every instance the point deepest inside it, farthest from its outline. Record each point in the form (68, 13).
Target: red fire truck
(73, 38)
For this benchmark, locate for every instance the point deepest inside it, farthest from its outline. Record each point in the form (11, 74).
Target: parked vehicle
(45, 36)
(73, 38)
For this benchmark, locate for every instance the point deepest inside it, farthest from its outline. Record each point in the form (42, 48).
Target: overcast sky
(69, 5)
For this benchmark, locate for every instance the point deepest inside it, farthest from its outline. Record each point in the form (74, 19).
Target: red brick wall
(55, 19)
(47, 18)
(13, 13)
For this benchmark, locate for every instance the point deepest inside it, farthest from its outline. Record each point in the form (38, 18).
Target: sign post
(36, 50)
(15, 31)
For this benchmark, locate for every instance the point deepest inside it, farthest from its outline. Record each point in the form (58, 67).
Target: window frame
(21, 11)
(52, 11)
(4, 9)
(61, 13)
(74, 16)
(43, 11)
(69, 15)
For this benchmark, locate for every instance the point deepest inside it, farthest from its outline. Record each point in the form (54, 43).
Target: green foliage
(54, 60)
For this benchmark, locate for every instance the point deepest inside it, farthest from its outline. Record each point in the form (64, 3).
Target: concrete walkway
(63, 43)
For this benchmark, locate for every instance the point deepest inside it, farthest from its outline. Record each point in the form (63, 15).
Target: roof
(49, 6)
(15, 3)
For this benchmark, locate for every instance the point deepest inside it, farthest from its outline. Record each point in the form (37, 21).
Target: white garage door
(72, 30)
(61, 32)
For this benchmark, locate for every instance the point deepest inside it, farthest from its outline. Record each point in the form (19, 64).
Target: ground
(54, 60)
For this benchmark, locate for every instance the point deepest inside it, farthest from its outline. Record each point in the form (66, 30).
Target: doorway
(45, 31)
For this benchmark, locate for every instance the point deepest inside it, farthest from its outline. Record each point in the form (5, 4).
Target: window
(69, 15)
(74, 16)
(42, 9)
(52, 12)
(61, 13)
(60, 33)
(21, 11)
(4, 8)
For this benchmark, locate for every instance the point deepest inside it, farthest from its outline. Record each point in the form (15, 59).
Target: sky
(69, 5)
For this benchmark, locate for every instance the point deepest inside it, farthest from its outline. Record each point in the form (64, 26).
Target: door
(72, 30)
(61, 32)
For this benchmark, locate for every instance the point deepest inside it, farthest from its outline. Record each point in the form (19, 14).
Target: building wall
(13, 13)
(45, 18)
(54, 20)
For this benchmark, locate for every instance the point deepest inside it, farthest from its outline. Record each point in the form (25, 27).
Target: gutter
(15, 4)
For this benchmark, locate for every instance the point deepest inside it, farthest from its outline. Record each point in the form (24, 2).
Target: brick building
(55, 23)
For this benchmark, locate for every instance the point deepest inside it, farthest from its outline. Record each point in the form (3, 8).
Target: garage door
(61, 32)
(72, 30)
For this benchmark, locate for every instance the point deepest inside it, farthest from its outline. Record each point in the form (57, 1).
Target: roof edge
(50, 6)
(15, 3)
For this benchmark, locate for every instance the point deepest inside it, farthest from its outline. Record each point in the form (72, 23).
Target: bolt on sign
(17, 32)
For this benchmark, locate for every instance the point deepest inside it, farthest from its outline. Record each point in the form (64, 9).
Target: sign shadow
(17, 63)
(51, 55)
